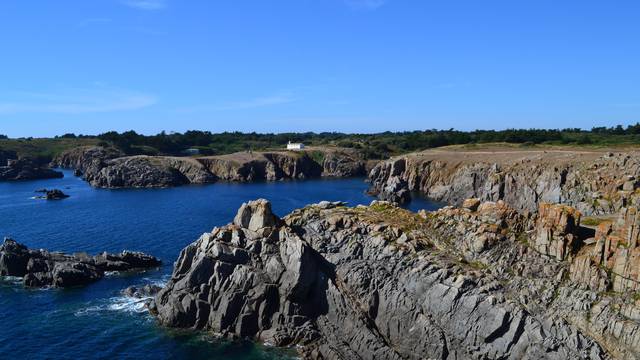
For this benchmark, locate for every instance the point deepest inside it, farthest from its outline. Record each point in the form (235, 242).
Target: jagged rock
(556, 231)
(380, 282)
(40, 268)
(343, 163)
(586, 180)
(146, 171)
(394, 190)
(471, 204)
(143, 292)
(255, 215)
(612, 262)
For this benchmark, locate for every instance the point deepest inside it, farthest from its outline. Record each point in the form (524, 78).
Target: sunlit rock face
(480, 281)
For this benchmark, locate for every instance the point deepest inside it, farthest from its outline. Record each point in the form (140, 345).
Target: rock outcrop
(25, 169)
(40, 268)
(594, 182)
(54, 194)
(556, 230)
(109, 168)
(86, 159)
(6, 155)
(483, 281)
(610, 261)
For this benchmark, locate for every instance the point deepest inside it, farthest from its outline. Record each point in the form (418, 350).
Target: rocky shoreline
(110, 168)
(480, 281)
(41, 268)
(25, 169)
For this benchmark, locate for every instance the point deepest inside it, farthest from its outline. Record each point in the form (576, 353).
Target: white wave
(158, 282)
(13, 280)
(120, 303)
(125, 303)
(129, 304)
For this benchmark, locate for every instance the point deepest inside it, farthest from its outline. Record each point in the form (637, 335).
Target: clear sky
(89, 66)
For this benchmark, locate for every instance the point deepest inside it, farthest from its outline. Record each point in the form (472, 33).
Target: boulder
(471, 204)
(255, 215)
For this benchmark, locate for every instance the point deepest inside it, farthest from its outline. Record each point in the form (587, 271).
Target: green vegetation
(372, 146)
(317, 156)
(42, 150)
(591, 221)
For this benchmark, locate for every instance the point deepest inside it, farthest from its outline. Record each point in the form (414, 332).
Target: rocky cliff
(109, 168)
(479, 282)
(595, 182)
(25, 169)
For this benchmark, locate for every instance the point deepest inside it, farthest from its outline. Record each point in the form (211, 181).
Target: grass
(591, 221)
(43, 150)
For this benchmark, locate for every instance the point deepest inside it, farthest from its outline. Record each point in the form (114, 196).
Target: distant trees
(374, 146)
(3, 137)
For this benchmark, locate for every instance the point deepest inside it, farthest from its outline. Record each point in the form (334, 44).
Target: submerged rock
(382, 282)
(141, 292)
(40, 268)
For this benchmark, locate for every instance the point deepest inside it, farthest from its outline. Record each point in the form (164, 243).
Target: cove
(96, 321)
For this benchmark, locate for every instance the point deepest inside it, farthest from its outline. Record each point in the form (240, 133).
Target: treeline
(374, 146)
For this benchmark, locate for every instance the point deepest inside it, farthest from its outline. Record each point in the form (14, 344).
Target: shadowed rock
(54, 194)
(26, 169)
(40, 268)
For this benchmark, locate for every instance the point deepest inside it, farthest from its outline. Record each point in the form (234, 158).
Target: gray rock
(53, 194)
(255, 215)
(40, 268)
(336, 282)
(26, 169)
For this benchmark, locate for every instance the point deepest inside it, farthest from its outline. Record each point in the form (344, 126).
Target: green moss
(478, 265)
(381, 207)
(591, 221)
(523, 238)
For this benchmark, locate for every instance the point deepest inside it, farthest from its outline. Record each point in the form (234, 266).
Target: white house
(295, 146)
(192, 151)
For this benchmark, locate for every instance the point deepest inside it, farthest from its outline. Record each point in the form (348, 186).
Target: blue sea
(96, 322)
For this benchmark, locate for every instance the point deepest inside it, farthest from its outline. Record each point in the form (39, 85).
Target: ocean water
(96, 322)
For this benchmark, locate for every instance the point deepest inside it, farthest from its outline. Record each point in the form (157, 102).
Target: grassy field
(43, 149)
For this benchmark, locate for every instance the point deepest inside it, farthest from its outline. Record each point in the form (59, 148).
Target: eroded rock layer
(479, 282)
(594, 182)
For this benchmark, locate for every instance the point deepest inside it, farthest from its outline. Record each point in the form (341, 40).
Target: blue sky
(316, 65)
